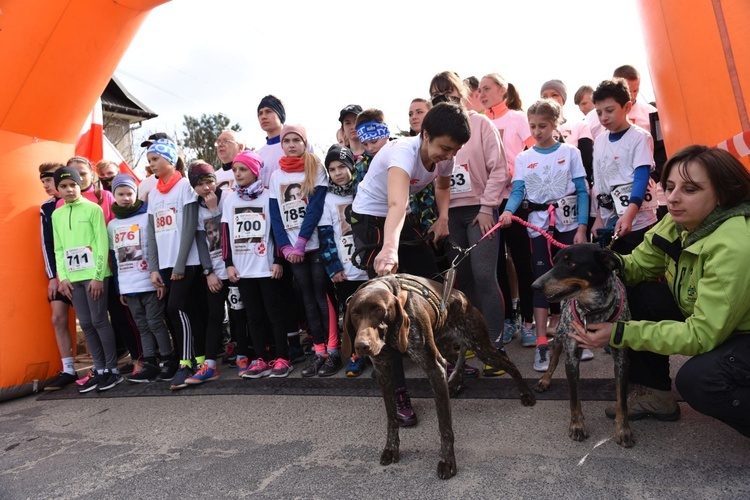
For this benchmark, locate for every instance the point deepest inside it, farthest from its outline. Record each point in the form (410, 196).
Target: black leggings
(215, 322)
(517, 241)
(542, 253)
(312, 282)
(186, 308)
(262, 299)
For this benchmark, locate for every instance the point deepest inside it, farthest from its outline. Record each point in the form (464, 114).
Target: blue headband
(166, 149)
(371, 131)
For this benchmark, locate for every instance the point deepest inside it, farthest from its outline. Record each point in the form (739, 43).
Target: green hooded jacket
(708, 272)
(81, 242)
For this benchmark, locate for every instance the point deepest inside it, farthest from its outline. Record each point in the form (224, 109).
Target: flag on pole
(92, 143)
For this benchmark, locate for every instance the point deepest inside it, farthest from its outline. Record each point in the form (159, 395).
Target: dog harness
(429, 295)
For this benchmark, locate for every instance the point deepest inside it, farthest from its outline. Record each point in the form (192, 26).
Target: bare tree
(200, 134)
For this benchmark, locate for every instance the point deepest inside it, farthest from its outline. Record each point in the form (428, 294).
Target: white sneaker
(587, 355)
(541, 358)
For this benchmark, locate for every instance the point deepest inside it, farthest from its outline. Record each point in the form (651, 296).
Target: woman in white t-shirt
(381, 218)
(298, 190)
(173, 256)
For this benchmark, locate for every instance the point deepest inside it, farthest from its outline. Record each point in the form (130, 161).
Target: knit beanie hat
(297, 129)
(556, 85)
(124, 180)
(64, 173)
(199, 172)
(166, 149)
(251, 160)
(342, 154)
(275, 104)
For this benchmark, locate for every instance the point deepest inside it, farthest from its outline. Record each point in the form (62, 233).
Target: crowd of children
(282, 240)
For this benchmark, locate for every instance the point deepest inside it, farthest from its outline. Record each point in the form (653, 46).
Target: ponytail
(513, 99)
(312, 165)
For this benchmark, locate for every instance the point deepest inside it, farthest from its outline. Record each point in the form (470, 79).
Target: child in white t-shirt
(172, 222)
(336, 235)
(623, 159)
(127, 238)
(248, 252)
(298, 190)
(552, 176)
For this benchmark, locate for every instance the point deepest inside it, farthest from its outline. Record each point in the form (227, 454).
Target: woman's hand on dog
(596, 337)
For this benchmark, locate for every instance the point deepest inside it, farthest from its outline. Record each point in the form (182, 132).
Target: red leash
(530, 226)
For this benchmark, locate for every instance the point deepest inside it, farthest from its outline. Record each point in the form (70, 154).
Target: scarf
(124, 212)
(345, 190)
(713, 221)
(292, 164)
(250, 192)
(165, 187)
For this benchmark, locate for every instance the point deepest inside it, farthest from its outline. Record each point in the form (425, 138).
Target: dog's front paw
(528, 399)
(542, 385)
(446, 469)
(625, 438)
(577, 432)
(389, 456)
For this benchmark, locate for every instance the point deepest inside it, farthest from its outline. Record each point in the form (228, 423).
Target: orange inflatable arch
(56, 57)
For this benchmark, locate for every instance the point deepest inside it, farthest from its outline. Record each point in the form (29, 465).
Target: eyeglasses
(220, 142)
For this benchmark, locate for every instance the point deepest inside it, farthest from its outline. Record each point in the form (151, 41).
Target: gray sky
(195, 56)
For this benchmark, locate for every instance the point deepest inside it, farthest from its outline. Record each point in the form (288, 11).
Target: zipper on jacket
(678, 285)
(70, 218)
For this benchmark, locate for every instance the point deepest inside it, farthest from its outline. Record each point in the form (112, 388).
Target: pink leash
(530, 226)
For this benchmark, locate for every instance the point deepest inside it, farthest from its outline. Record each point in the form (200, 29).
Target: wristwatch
(208, 271)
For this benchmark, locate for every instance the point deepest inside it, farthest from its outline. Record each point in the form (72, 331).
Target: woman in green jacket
(690, 295)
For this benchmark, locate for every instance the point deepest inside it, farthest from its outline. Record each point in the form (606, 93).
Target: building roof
(117, 100)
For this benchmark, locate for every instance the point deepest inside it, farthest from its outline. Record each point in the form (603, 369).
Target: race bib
(460, 179)
(249, 225)
(165, 220)
(235, 301)
(621, 197)
(346, 249)
(294, 212)
(79, 258)
(567, 210)
(127, 236)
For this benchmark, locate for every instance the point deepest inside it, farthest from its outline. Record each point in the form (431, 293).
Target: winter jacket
(81, 241)
(708, 274)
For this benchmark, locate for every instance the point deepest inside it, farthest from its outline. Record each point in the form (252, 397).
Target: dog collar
(614, 316)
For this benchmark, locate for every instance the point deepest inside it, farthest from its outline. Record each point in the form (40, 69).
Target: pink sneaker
(243, 365)
(280, 368)
(258, 369)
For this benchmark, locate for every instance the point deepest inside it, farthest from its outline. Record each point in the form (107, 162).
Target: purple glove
(286, 250)
(299, 246)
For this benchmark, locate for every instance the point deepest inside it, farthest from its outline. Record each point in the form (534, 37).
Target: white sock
(69, 366)
(211, 363)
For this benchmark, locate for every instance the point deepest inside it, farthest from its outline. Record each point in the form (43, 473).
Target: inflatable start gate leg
(699, 59)
(56, 57)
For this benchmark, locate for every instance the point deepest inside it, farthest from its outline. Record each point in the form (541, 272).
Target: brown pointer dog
(403, 312)
(584, 279)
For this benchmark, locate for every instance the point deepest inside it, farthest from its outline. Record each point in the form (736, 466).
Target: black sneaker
(296, 354)
(109, 380)
(127, 368)
(147, 374)
(168, 370)
(91, 384)
(314, 366)
(63, 379)
(332, 365)
(178, 381)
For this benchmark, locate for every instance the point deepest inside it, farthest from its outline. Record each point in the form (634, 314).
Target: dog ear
(402, 321)
(346, 344)
(610, 259)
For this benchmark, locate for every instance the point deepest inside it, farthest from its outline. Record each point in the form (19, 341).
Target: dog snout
(538, 284)
(367, 342)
